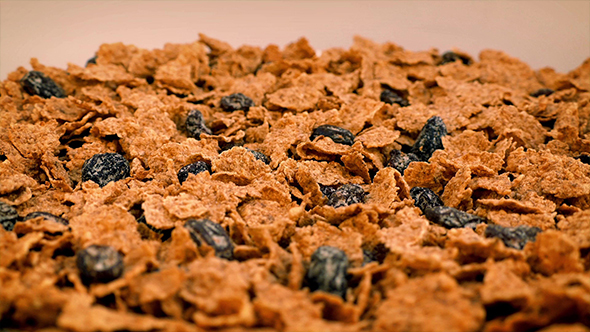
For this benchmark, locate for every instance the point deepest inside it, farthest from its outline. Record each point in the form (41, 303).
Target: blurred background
(541, 33)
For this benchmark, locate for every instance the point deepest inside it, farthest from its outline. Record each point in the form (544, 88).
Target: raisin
(327, 190)
(400, 160)
(99, 263)
(585, 158)
(260, 156)
(368, 257)
(47, 216)
(513, 237)
(212, 234)
(194, 168)
(195, 124)
(345, 195)
(448, 57)
(337, 134)
(542, 92)
(104, 168)
(91, 61)
(430, 138)
(451, 218)
(36, 83)
(8, 216)
(425, 198)
(236, 102)
(391, 97)
(327, 271)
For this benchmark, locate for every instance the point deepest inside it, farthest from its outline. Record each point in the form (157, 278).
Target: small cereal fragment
(425, 198)
(8, 216)
(99, 264)
(104, 168)
(46, 216)
(236, 102)
(391, 97)
(194, 168)
(195, 124)
(513, 237)
(450, 56)
(327, 271)
(212, 234)
(400, 160)
(430, 138)
(36, 83)
(452, 218)
(554, 252)
(346, 195)
(337, 134)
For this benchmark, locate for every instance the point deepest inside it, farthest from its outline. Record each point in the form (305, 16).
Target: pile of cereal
(201, 187)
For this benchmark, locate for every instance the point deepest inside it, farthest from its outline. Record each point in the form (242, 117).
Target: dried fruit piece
(430, 138)
(99, 263)
(260, 156)
(104, 168)
(391, 97)
(194, 168)
(36, 83)
(46, 216)
(195, 124)
(327, 190)
(542, 92)
(327, 271)
(585, 158)
(345, 195)
(513, 237)
(400, 161)
(91, 61)
(449, 56)
(425, 198)
(236, 102)
(212, 234)
(337, 134)
(8, 216)
(449, 217)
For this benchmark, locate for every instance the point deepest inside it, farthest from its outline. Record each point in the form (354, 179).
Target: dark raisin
(236, 102)
(47, 216)
(585, 158)
(337, 134)
(260, 156)
(430, 138)
(91, 61)
(212, 234)
(448, 57)
(99, 263)
(425, 198)
(391, 97)
(195, 124)
(451, 218)
(36, 83)
(327, 271)
(327, 190)
(368, 257)
(400, 160)
(104, 168)
(542, 92)
(194, 168)
(513, 237)
(345, 195)
(8, 216)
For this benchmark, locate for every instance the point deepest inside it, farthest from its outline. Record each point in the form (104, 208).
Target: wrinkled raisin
(337, 134)
(430, 138)
(452, 57)
(195, 124)
(400, 161)
(451, 218)
(425, 198)
(327, 190)
(327, 271)
(236, 102)
(194, 168)
(542, 92)
(345, 195)
(8, 216)
(391, 97)
(104, 168)
(47, 216)
(260, 156)
(513, 237)
(212, 234)
(36, 83)
(91, 61)
(99, 263)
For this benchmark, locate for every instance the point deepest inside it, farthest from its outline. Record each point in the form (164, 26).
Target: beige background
(542, 33)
